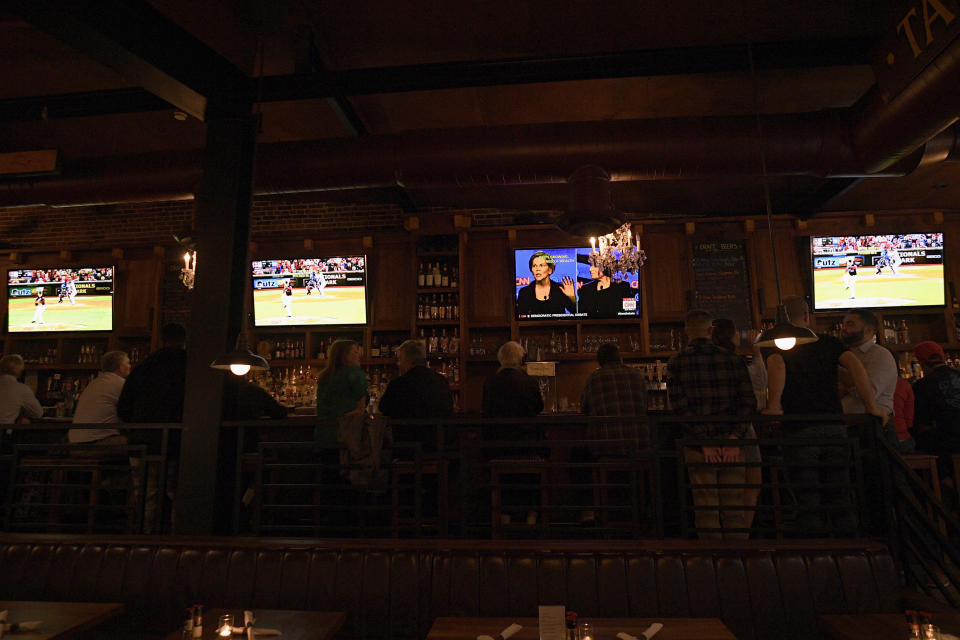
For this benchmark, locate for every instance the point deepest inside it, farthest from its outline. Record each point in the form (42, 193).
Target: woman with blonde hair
(341, 388)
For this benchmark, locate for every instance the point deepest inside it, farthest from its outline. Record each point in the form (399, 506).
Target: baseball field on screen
(90, 313)
(914, 285)
(340, 305)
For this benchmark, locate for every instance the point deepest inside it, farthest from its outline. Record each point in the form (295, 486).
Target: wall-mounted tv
(310, 291)
(60, 299)
(561, 284)
(877, 271)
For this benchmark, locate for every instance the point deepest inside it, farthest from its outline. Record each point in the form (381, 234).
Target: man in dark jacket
(510, 393)
(154, 389)
(418, 392)
(937, 402)
(153, 392)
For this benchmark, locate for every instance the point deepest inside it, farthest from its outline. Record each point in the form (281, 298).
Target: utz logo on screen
(60, 299)
(877, 271)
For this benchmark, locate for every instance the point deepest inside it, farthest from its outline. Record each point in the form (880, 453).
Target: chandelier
(618, 253)
(189, 270)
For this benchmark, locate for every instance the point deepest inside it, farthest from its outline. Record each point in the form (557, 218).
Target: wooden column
(223, 234)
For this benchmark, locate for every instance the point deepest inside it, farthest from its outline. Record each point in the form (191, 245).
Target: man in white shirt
(16, 398)
(98, 402)
(859, 334)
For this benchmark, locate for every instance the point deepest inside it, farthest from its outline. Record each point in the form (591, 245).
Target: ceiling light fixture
(241, 360)
(618, 254)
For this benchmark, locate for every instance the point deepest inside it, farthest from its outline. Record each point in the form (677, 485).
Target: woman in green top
(341, 388)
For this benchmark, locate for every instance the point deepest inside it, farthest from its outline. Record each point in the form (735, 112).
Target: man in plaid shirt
(705, 380)
(615, 390)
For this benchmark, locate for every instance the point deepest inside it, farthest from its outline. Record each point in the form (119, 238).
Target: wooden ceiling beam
(452, 75)
(145, 47)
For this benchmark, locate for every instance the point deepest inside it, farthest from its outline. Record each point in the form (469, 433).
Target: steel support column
(223, 237)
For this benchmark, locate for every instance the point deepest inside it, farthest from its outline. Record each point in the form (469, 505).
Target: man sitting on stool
(98, 403)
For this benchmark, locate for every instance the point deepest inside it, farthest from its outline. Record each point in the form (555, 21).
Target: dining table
(604, 628)
(881, 626)
(59, 620)
(292, 624)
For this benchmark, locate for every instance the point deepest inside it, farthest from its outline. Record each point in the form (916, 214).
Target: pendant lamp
(784, 335)
(241, 360)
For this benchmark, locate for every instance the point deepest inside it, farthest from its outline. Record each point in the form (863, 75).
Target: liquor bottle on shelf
(444, 277)
(903, 332)
(428, 276)
(375, 348)
(421, 277)
(436, 274)
(454, 281)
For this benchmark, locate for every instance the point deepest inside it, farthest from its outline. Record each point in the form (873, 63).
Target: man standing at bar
(418, 392)
(154, 393)
(706, 380)
(859, 334)
(937, 402)
(804, 380)
(615, 390)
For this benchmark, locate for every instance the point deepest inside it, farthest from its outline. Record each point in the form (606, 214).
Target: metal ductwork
(872, 139)
(590, 211)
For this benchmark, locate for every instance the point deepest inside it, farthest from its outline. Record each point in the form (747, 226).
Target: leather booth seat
(395, 589)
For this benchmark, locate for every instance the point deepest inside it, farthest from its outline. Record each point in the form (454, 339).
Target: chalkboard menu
(720, 280)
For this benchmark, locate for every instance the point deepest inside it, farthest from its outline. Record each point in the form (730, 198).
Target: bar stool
(418, 470)
(51, 477)
(506, 468)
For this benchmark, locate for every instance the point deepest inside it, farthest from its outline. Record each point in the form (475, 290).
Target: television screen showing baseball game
(60, 299)
(310, 291)
(561, 283)
(876, 271)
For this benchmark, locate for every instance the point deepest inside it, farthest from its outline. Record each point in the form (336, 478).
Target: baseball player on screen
(286, 298)
(39, 306)
(71, 290)
(850, 276)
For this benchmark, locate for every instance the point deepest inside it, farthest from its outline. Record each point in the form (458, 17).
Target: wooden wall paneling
(488, 279)
(136, 286)
(666, 275)
(390, 287)
(4, 265)
(793, 268)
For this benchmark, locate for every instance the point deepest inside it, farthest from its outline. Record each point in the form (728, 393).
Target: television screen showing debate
(561, 283)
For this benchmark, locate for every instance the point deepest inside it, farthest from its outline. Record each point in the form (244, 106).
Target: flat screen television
(570, 287)
(60, 299)
(310, 291)
(877, 271)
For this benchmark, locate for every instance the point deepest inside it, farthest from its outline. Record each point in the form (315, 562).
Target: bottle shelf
(61, 367)
(429, 290)
(438, 323)
(910, 346)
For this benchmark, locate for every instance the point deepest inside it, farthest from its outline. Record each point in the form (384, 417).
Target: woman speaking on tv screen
(543, 296)
(603, 296)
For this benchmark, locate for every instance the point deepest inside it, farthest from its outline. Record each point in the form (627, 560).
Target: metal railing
(563, 480)
(48, 484)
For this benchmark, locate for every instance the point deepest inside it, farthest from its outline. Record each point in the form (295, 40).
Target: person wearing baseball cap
(937, 406)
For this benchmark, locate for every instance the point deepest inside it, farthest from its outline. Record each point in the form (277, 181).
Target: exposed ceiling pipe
(872, 139)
